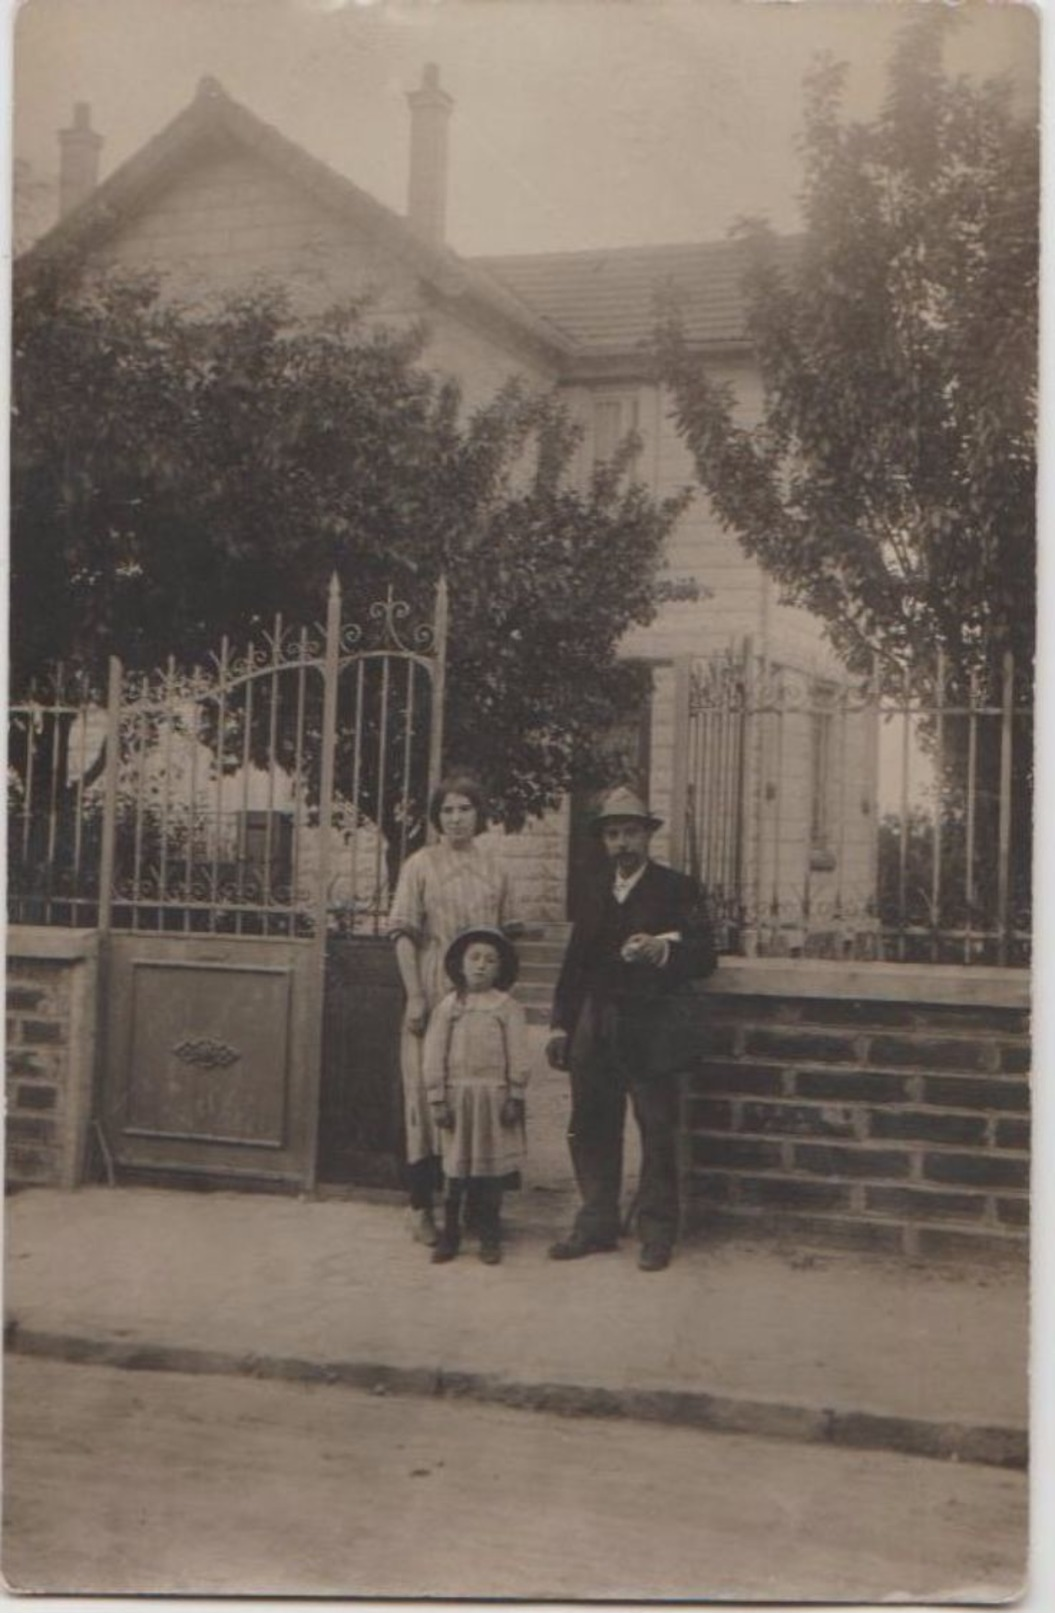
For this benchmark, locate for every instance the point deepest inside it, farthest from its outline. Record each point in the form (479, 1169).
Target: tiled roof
(606, 301)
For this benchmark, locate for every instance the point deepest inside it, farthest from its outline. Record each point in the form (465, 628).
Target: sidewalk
(838, 1348)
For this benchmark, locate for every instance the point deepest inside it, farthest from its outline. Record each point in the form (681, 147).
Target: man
(642, 932)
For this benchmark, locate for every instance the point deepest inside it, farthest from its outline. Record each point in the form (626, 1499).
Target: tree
(889, 486)
(176, 478)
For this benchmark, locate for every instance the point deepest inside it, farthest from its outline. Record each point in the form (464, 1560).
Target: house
(219, 198)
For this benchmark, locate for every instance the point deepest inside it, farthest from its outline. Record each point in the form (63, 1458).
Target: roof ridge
(643, 249)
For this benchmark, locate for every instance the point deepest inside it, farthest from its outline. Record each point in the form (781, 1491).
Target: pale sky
(577, 123)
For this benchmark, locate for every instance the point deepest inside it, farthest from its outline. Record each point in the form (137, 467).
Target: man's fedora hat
(624, 803)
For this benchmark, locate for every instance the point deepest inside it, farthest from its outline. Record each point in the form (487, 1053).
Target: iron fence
(54, 809)
(273, 791)
(832, 818)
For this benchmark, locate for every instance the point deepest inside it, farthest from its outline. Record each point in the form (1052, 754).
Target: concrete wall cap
(937, 983)
(32, 941)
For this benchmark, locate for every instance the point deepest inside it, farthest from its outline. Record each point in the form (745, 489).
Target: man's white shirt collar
(622, 887)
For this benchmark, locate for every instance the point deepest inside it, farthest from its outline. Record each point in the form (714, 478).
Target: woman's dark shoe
(423, 1227)
(449, 1239)
(654, 1257)
(490, 1252)
(574, 1248)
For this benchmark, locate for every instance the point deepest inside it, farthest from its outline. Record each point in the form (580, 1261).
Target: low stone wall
(50, 1054)
(873, 1105)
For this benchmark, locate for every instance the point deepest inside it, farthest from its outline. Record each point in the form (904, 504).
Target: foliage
(928, 907)
(176, 478)
(889, 486)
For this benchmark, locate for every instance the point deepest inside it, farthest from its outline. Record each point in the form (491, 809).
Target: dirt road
(137, 1482)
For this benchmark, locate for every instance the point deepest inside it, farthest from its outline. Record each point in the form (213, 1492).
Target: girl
(442, 890)
(476, 1069)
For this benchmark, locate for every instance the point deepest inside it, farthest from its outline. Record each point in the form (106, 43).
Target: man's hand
(512, 1112)
(557, 1051)
(645, 949)
(417, 1017)
(442, 1114)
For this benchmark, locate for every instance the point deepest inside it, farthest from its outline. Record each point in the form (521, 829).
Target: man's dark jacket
(654, 1031)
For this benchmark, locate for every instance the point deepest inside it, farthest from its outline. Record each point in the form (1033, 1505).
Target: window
(613, 418)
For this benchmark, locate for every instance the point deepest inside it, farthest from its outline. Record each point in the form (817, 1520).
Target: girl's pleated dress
(476, 1056)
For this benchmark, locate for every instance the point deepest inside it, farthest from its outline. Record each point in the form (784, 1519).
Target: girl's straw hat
(508, 965)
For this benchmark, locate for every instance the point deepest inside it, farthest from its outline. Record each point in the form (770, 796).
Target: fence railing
(829, 818)
(54, 806)
(272, 791)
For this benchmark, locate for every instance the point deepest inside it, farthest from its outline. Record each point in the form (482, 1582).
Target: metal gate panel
(212, 1056)
(361, 1107)
(253, 810)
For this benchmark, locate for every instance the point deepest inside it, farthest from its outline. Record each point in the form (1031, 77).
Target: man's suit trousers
(601, 1081)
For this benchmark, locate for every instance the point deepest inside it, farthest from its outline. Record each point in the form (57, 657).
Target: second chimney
(79, 150)
(430, 110)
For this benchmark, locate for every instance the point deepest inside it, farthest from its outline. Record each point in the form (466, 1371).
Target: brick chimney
(79, 150)
(430, 110)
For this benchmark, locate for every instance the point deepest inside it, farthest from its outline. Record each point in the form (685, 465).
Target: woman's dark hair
(459, 784)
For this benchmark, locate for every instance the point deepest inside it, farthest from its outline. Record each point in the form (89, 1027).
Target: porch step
(540, 961)
(536, 1003)
(535, 970)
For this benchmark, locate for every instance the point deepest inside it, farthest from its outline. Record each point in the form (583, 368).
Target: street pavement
(753, 1337)
(329, 1413)
(120, 1482)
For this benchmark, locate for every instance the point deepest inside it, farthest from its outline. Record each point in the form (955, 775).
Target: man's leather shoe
(574, 1248)
(654, 1257)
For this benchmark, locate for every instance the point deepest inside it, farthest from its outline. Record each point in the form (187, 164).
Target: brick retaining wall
(50, 1053)
(873, 1106)
(864, 1105)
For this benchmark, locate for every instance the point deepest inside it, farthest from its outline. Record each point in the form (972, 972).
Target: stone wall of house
(872, 1106)
(232, 222)
(728, 585)
(50, 1054)
(537, 860)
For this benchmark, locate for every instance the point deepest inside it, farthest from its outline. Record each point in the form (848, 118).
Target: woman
(443, 890)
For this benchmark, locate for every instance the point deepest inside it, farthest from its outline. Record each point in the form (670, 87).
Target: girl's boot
(489, 1226)
(449, 1239)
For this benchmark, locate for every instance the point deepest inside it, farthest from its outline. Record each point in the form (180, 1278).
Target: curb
(991, 1446)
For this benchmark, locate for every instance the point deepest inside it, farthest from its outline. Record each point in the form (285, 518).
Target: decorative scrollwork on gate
(224, 795)
(206, 1052)
(390, 630)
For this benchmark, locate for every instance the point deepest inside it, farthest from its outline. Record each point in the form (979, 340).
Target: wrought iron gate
(857, 818)
(247, 814)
